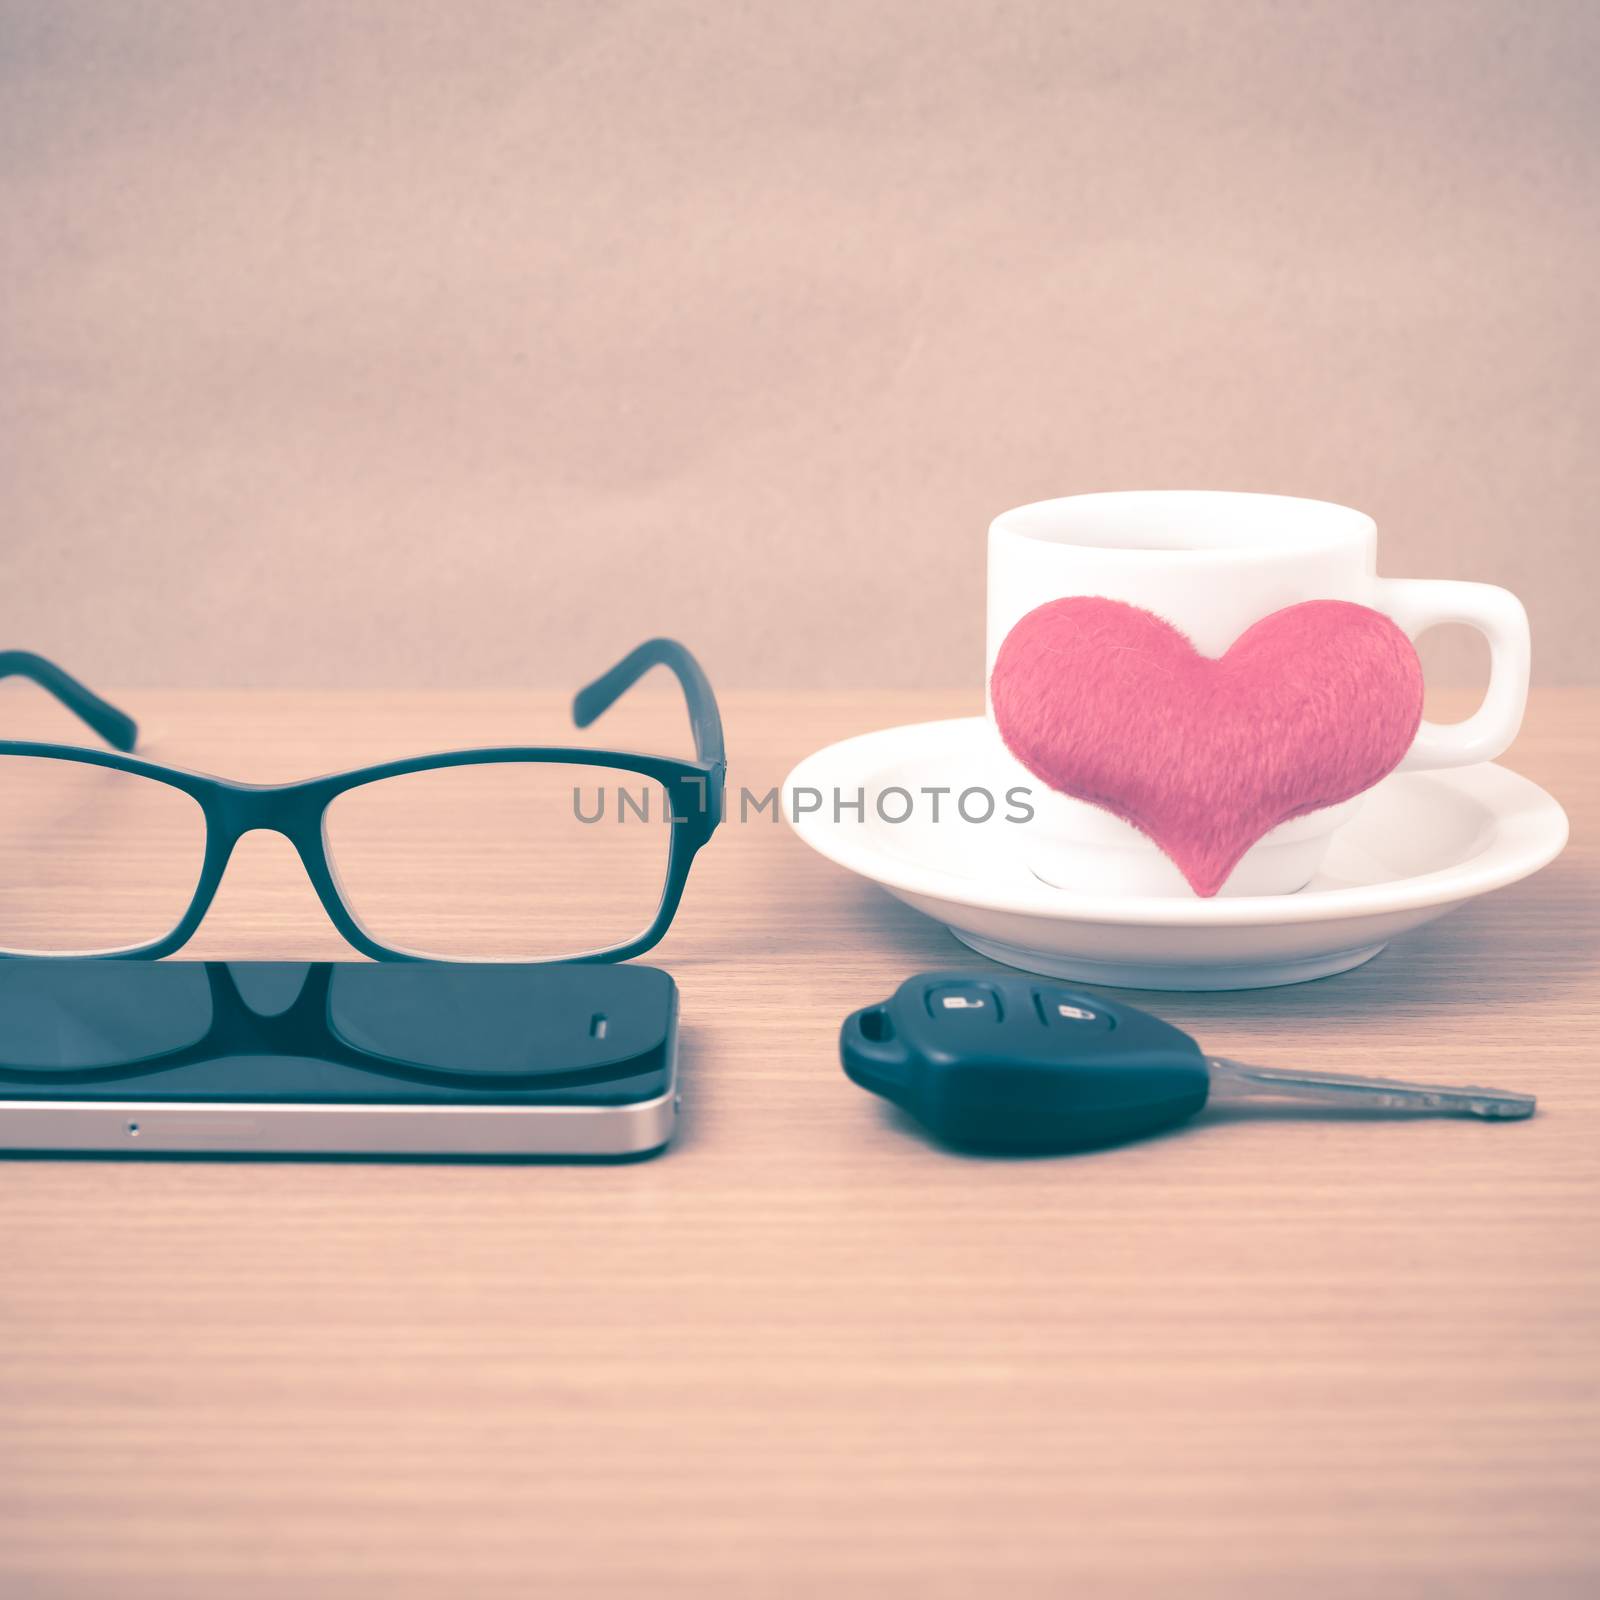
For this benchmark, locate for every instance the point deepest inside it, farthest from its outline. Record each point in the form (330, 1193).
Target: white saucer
(1421, 844)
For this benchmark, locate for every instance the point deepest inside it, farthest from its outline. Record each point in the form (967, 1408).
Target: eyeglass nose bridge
(293, 810)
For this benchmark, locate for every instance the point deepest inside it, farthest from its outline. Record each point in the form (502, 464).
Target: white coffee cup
(1212, 564)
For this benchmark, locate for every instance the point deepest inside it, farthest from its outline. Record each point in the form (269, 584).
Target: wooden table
(803, 1353)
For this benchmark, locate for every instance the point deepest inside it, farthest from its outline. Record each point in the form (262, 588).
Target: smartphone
(337, 1058)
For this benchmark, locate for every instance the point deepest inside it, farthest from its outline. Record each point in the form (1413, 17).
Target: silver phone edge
(155, 1128)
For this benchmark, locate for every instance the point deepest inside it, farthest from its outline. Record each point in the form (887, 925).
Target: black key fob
(1008, 1062)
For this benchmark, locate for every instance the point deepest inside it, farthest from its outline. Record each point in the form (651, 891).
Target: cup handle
(1417, 604)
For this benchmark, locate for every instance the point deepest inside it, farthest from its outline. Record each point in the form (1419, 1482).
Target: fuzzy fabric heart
(1113, 705)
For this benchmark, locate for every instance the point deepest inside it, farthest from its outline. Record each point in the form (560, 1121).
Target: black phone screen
(404, 1033)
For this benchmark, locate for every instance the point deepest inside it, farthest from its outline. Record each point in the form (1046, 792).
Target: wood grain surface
(803, 1353)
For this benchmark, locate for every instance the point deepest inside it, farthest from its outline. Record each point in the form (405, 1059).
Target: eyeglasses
(517, 853)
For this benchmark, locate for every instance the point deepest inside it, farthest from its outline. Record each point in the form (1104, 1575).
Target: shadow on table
(1211, 1117)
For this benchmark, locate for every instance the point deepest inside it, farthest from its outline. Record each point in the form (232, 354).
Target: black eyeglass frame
(694, 791)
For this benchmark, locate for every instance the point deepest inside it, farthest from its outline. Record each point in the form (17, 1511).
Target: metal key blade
(1233, 1081)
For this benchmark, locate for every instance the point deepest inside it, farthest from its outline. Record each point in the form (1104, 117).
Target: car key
(1004, 1061)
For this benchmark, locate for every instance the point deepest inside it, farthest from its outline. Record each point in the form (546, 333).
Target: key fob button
(1062, 1009)
(975, 1002)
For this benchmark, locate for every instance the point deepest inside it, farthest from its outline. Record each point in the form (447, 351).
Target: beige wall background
(468, 343)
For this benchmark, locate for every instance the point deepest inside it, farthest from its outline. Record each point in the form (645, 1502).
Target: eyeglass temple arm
(599, 696)
(117, 728)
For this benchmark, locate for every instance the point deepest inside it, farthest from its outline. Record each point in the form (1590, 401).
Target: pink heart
(1113, 705)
